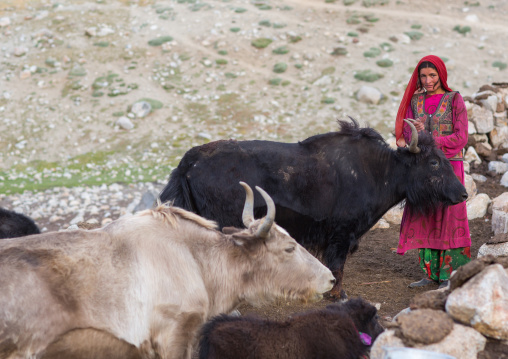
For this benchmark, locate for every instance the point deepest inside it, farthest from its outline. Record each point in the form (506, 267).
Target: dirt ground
(381, 276)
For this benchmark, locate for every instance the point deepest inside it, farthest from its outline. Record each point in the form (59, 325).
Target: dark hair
(424, 65)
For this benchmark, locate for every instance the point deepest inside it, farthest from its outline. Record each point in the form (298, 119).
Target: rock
(472, 157)
(141, 109)
(477, 207)
(482, 118)
(394, 215)
(472, 18)
(382, 224)
(497, 250)
(498, 135)
(20, 51)
(490, 103)
(498, 167)
(125, 123)
(467, 167)
(478, 177)
(504, 180)
(500, 214)
(483, 149)
(424, 326)
(148, 200)
(463, 342)
(4, 21)
(471, 128)
(482, 302)
(470, 185)
(431, 299)
(324, 81)
(368, 94)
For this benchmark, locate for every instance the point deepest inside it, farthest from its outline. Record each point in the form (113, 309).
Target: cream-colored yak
(150, 280)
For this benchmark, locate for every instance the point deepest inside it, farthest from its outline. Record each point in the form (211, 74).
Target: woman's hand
(419, 125)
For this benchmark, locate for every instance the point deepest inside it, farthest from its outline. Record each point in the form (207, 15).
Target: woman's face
(429, 79)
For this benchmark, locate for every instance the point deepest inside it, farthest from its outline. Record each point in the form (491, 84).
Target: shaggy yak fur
(329, 189)
(329, 333)
(14, 224)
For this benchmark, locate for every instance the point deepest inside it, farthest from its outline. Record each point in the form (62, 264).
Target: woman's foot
(421, 283)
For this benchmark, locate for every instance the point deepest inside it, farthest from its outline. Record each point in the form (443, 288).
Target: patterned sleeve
(406, 130)
(454, 143)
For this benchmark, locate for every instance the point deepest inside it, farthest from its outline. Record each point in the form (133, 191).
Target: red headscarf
(411, 88)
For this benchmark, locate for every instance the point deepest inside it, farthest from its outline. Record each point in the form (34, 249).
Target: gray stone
(324, 81)
(141, 109)
(477, 207)
(504, 180)
(368, 94)
(482, 302)
(498, 167)
(4, 21)
(463, 342)
(478, 177)
(497, 250)
(148, 200)
(498, 135)
(472, 157)
(482, 118)
(125, 123)
(470, 185)
(394, 215)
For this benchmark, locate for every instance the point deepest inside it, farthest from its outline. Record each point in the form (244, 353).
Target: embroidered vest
(440, 122)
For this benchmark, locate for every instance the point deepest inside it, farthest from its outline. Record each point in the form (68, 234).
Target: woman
(443, 238)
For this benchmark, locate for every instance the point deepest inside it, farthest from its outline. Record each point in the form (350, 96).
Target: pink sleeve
(454, 143)
(406, 130)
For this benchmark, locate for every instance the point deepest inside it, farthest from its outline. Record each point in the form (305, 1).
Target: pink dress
(448, 227)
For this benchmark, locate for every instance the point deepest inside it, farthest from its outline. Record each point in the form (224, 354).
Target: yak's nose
(464, 196)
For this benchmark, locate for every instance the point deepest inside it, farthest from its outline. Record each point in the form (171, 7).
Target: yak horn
(413, 146)
(267, 223)
(248, 209)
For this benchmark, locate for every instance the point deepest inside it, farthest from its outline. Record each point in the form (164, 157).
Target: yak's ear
(231, 230)
(246, 240)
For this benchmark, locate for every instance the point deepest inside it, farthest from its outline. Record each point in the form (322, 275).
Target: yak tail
(177, 191)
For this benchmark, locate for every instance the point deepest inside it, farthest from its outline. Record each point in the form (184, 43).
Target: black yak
(13, 224)
(329, 189)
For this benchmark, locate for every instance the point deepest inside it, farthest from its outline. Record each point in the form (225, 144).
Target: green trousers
(439, 264)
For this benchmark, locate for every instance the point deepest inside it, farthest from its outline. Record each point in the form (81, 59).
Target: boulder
(470, 185)
(500, 214)
(497, 250)
(498, 135)
(498, 167)
(482, 118)
(477, 207)
(368, 94)
(424, 326)
(472, 157)
(394, 215)
(483, 149)
(482, 302)
(463, 342)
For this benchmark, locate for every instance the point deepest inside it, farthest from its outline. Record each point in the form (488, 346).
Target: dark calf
(330, 333)
(14, 224)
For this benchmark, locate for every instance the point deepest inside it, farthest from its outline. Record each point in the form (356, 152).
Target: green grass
(261, 43)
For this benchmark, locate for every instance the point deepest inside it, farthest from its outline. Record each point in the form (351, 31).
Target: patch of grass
(500, 65)
(352, 34)
(160, 40)
(101, 44)
(384, 63)
(298, 66)
(240, 10)
(222, 52)
(278, 25)
(281, 50)
(280, 67)
(414, 35)
(371, 18)
(221, 62)
(386, 46)
(261, 42)
(339, 51)
(266, 23)
(230, 75)
(275, 82)
(328, 71)
(295, 38)
(368, 76)
(462, 29)
(353, 20)
(348, 2)
(372, 52)
(416, 26)
(234, 29)
(328, 100)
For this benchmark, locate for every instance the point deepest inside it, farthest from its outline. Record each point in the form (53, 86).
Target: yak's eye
(434, 164)
(290, 249)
